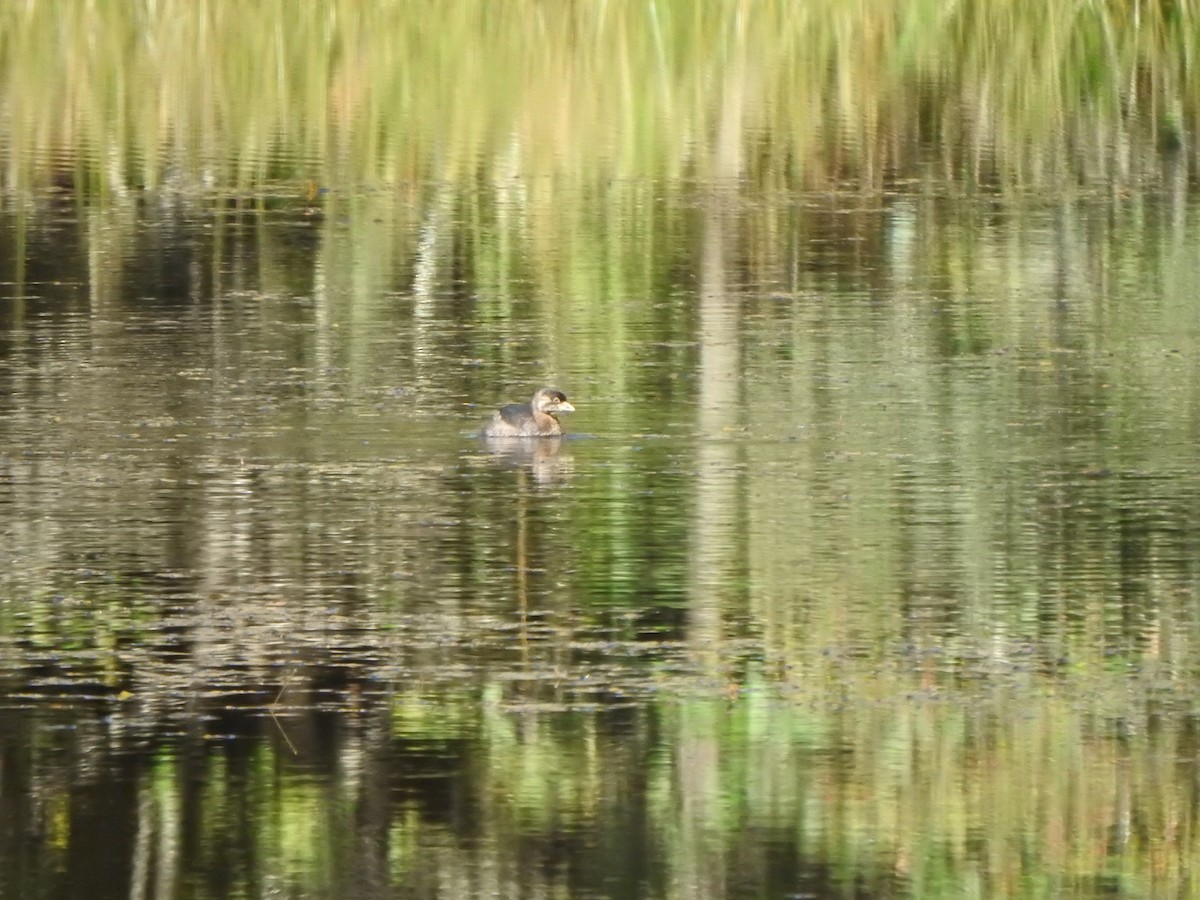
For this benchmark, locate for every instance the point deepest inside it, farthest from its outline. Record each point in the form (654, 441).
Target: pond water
(868, 565)
(868, 573)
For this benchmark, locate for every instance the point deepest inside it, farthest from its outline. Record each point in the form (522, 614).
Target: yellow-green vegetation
(124, 93)
(883, 556)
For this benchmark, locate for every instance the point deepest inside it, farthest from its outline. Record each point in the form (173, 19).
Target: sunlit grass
(235, 94)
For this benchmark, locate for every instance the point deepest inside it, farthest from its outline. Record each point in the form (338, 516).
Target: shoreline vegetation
(110, 96)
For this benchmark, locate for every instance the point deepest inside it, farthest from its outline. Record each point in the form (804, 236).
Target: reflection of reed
(541, 463)
(715, 546)
(714, 555)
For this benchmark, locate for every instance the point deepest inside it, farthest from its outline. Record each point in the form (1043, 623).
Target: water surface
(867, 566)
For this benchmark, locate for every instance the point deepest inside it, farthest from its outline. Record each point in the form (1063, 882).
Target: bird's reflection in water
(542, 457)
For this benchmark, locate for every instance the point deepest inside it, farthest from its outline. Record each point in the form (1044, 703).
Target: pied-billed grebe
(532, 419)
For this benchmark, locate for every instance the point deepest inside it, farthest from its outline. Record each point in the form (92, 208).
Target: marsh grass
(114, 95)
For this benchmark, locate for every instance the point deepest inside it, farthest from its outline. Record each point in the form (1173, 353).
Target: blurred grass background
(238, 94)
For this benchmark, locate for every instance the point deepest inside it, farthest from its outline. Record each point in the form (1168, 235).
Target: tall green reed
(239, 94)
